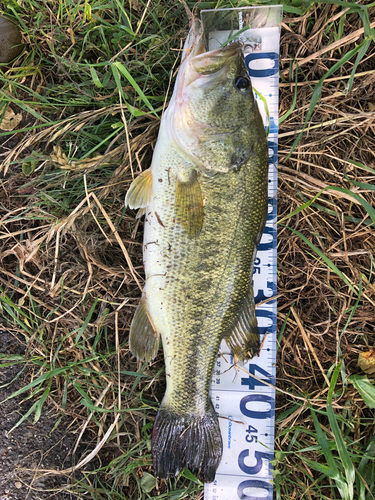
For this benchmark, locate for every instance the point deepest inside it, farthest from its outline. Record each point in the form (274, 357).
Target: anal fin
(189, 205)
(244, 340)
(143, 338)
(139, 192)
(140, 213)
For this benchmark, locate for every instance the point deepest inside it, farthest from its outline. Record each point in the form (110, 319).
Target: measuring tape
(246, 405)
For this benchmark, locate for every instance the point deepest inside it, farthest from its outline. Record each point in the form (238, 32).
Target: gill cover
(208, 118)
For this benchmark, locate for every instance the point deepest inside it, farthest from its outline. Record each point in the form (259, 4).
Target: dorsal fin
(244, 340)
(139, 192)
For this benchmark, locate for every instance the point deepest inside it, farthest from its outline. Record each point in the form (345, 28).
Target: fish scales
(199, 259)
(196, 286)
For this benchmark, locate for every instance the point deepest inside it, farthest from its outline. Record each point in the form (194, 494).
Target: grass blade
(85, 396)
(364, 481)
(16, 319)
(265, 103)
(95, 78)
(136, 87)
(319, 85)
(365, 389)
(324, 469)
(40, 403)
(86, 322)
(291, 109)
(322, 440)
(37, 381)
(359, 58)
(302, 207)
(370, 210)
(49, 375)
(341, 446)
(326, 259)
(134, 111)
(360, 165)
(332, 470)
(24, 417)
(363, 185)
(366, 205)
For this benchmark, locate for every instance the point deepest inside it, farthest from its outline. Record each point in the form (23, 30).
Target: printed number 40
(252, 382)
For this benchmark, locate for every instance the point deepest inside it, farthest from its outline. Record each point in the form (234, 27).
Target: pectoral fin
(244, 340)
(139, 193)
(143, 339)
(189, 205)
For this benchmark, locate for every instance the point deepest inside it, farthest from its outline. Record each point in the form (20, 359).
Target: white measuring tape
(246, 405)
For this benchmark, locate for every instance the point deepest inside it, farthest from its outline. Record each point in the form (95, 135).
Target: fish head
(213, 117)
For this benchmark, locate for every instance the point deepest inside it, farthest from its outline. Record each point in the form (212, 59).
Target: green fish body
(205, 205)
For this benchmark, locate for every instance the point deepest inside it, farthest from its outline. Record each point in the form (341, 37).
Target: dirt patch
(28, 448)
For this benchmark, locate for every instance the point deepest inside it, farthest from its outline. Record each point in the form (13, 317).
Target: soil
(29, 447)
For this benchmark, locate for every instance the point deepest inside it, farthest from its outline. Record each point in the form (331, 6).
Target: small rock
(10, 40)
(18, 485)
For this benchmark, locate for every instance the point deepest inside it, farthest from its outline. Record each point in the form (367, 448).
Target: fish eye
(242, 83)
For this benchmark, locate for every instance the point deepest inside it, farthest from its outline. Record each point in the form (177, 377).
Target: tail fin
(187, 441)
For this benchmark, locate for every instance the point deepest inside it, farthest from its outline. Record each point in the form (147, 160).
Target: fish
(205, 204)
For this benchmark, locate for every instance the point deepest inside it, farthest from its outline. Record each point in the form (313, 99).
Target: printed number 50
(259, 456)
(254, 484)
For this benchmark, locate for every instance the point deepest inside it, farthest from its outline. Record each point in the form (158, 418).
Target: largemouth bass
(205, 202)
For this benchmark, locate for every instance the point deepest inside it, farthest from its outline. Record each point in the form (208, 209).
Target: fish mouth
(210, 62)
(207, 67)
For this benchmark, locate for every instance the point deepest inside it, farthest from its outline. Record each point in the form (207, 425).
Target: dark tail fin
(193, 442)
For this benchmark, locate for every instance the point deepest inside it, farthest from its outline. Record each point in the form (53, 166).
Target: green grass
(342, 464)
(82, 60)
